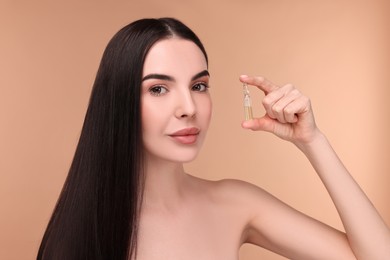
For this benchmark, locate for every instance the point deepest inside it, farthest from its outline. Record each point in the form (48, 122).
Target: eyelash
(205, 85)
(156, 90)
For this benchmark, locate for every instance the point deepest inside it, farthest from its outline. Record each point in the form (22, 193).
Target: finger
(271, 101)
(262, 83)
(298, 106)
(264, 123)
(290, 116)
(282, 110)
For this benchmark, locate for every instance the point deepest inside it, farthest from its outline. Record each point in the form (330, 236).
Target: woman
(127, 195)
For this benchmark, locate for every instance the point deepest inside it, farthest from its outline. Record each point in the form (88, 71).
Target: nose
(186, 105)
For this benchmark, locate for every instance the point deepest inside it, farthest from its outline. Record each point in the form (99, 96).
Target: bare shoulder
(238, 193)
(249, 205)
(266, 221)
(224, 186)
(256, 205)
(231, 187)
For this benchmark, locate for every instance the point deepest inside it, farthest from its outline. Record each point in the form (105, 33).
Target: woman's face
(176, 104)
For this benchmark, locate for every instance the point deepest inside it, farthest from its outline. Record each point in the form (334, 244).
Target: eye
(201, 87)
(158, 90)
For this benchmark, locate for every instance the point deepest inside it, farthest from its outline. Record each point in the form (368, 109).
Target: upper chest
(204, 231)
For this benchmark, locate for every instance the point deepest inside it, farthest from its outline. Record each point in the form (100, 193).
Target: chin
(174, 155)
(185, 157)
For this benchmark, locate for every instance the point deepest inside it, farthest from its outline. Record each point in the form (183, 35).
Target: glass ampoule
(247, 103)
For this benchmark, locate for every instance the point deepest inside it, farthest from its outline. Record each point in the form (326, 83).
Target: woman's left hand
(288, 113)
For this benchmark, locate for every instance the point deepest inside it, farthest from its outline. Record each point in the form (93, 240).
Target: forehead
(174, 56)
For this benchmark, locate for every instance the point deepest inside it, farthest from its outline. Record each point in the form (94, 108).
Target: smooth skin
(184, 217)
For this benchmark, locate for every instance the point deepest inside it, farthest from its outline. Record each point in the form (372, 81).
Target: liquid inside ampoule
(247, 103)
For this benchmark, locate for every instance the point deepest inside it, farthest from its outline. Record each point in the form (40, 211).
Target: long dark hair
(97, 213)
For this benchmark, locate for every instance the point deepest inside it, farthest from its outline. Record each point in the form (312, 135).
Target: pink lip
(186, 135)
(186, 131)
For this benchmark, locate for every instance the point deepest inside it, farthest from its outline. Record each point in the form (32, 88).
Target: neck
(164, 184)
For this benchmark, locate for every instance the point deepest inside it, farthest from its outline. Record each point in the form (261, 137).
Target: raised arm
(290, 117)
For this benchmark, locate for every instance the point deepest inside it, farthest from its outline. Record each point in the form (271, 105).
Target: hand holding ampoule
(288, 112)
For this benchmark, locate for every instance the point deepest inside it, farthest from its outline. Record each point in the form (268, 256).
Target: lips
(186, 135)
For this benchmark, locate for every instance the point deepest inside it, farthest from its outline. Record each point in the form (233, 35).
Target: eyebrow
(169, 78)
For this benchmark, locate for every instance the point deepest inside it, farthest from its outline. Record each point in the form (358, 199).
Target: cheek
(148, 116)
(150, 112)
(155, 116)
(145, 117)
(206, 108)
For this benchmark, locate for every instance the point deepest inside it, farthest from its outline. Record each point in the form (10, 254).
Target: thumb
(264, 123)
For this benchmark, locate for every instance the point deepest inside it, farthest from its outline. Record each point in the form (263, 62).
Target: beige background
(337, 52)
